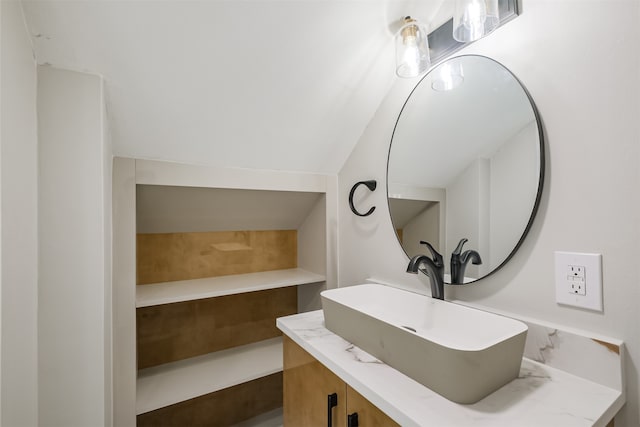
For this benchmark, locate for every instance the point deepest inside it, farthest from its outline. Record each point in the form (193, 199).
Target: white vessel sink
(459, 352)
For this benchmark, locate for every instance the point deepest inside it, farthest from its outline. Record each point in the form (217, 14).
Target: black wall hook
(371, 185)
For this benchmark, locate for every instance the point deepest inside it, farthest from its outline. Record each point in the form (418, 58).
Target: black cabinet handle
(352, 420)
(332, 401)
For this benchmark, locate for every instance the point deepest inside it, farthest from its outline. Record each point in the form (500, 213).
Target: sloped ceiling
(266, 84)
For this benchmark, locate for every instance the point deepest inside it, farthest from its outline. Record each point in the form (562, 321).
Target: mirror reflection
(466, 162)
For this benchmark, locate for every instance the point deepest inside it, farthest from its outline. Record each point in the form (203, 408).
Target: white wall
(312, 254)
(424, 226)
(124, 292)
(107, 227)
(18, 154)
(74, 252)
(513, 185)
(18, 198)
(581, 62)
(468, 213)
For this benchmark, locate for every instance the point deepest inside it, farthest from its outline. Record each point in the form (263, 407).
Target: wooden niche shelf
(167, 385)
(187, 290)
(171, 332)
(230, 405)
(208, 350)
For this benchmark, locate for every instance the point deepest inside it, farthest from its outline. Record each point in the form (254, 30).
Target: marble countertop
(540, 396)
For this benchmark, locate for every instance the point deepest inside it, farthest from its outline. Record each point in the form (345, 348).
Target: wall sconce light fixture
(412, 49)
(474, 19)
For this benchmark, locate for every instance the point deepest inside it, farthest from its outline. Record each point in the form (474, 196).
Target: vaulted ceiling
(267, 84)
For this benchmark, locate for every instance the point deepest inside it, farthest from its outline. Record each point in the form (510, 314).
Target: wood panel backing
(221, 408)
(167, 257)
(306, 384)
(170, 332)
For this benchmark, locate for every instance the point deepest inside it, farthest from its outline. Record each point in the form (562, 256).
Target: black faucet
(459, 262)
(434, 268)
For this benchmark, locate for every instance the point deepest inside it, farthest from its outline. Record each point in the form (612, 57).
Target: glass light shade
(474, 19)
(412, 49)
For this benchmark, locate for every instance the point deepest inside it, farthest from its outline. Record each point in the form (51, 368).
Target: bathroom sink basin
(459, 352)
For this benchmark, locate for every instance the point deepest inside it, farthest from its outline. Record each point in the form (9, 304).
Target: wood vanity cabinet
(315, 396)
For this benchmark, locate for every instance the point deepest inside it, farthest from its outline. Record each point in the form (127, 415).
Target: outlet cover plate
(591, 297)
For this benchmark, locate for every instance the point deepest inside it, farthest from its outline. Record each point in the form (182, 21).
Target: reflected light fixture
(447, 77)
(474, 19)
(412, 49)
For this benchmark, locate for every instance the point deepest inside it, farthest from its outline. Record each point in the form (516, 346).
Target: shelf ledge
(176, 382)
(187, 290)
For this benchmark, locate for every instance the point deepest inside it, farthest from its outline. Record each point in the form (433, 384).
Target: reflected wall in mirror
(466, 162)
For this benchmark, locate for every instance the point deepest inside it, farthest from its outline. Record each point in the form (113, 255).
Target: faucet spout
(471, 255)
(433, 269)
(460, 260)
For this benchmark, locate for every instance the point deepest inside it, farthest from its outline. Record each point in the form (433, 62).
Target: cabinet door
(368, 415)
(307, 385)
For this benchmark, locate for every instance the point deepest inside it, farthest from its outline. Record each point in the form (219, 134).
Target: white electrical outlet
(579, 280)
(576, 279)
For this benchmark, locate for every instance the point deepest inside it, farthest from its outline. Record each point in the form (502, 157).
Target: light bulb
(474, 19)
(411, 56)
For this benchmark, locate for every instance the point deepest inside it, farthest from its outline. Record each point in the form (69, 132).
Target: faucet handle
(437, 258)
(458, 248)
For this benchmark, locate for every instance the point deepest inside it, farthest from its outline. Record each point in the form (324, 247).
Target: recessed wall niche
(217, 258)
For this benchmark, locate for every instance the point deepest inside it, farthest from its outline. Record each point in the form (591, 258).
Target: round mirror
(466, 162)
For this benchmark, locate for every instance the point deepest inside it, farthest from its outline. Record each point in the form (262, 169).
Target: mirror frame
(542, 156)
